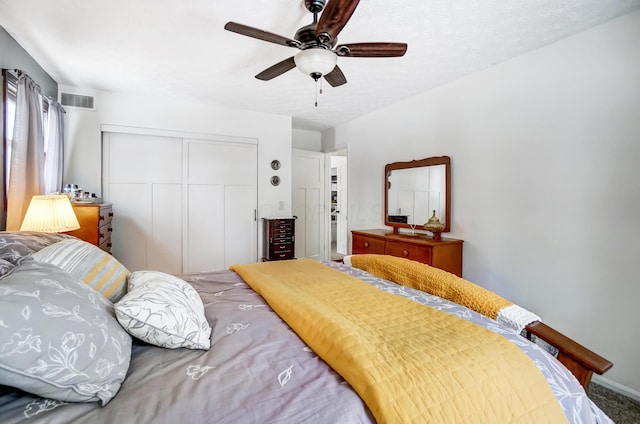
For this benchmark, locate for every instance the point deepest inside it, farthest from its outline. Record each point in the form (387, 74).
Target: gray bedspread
(257, 371)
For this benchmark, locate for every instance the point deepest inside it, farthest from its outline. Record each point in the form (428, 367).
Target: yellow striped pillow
(90, 264)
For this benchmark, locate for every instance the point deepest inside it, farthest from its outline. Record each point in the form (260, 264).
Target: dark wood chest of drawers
(95, 224)
(278, 241)
(445, 254)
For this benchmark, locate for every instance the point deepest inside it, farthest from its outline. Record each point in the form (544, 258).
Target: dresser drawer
(105, 215)
(106, 245)
(281, 256)
(282, 237)
(409, 251)
(282, 225)
(363, 244)
(281, 247)
(95, 224)
(104, 233)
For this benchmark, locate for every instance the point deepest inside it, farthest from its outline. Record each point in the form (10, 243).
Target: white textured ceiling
(179, 48)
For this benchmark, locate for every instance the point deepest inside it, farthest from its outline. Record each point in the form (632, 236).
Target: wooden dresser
(445, 254)
(278, 239)
(95, 224)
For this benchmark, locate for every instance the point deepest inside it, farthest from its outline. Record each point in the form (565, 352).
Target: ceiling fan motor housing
(307, 38)
(315, 6)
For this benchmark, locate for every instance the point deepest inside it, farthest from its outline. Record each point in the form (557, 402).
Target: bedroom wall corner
(13, 56)
(306, 140)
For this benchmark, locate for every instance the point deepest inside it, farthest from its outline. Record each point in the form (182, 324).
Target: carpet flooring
(621, 409)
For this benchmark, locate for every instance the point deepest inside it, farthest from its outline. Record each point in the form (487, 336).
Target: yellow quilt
(432, 280)
(408, 362)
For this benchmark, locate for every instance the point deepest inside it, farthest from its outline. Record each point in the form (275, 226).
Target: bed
(251, 368)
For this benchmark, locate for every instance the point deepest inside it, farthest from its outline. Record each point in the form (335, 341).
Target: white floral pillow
(58, 336)
(163, 310)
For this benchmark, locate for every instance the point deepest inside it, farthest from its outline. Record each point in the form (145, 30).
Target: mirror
(413, 190)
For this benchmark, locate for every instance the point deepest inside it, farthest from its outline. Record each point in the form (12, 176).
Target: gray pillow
(14, 246)
(58, 337)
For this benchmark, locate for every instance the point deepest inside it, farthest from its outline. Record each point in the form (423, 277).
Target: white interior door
(143, 180)
(308, 182)
(221, 182)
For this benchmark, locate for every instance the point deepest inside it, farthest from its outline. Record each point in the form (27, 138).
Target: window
(10, 89)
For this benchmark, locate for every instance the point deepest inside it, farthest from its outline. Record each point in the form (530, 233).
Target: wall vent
(76, 100)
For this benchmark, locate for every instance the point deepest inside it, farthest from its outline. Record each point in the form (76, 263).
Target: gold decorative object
(434, 226)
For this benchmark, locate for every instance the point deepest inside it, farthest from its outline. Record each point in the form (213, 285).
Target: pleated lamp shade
(50, 213)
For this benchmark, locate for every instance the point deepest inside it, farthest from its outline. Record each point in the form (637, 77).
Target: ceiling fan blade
(277, 69)
(335, 16)
(372, 49)
(260, 34)
(335, 78)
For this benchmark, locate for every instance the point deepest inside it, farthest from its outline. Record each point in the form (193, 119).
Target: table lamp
(50, 213)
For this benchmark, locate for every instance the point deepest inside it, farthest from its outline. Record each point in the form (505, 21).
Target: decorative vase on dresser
(278, 239)
(95, 224)
(445, 253)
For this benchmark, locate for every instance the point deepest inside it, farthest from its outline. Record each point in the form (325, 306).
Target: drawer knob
(405, 253)
(110, 214)
(366, 244)
(101, 218)
(109, 229)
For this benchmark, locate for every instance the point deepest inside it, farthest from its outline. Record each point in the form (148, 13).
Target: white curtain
(54, 142)
(27, 152)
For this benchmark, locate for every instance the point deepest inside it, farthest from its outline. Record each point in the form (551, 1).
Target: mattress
(258, 370)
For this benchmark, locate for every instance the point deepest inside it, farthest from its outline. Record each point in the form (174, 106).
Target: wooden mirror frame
(436, 160)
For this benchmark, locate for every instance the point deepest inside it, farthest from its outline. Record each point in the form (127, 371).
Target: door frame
(340, 152)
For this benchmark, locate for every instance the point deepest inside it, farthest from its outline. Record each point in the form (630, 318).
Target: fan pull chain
(318, 90)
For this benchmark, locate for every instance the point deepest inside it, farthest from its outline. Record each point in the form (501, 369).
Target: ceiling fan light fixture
(316, 61)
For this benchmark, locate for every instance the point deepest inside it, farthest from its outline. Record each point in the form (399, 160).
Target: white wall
(307, 140)
(545, 155)
(83, 137)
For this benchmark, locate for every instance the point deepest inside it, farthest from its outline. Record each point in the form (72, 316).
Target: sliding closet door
(222, 195)
(142, 177)
(181, 205)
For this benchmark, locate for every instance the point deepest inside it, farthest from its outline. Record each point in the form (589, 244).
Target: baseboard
(617, 387)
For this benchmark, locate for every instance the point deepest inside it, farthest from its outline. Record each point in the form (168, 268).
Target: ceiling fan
(317, 43)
